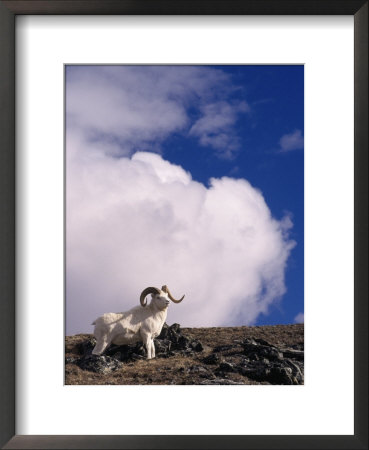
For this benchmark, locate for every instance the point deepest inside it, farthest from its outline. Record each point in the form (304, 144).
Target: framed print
(183, 99)
(205, 122)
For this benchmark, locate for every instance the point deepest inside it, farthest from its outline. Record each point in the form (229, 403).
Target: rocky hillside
(229, 355)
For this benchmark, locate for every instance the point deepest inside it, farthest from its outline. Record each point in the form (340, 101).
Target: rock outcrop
(171, 342)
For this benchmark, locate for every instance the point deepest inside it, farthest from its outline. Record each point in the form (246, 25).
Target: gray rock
(169, 343)
(197, 346)
(297, 371)
(164, 332)
(211, 359)
(176, 327)
(257, 349)
(86, 347)
(99, 364)
(275, 372)
(268, 363)
(280, 375)
(293, 354)
(182, 342)
(226, 367)
(199, 370)
(162, 346)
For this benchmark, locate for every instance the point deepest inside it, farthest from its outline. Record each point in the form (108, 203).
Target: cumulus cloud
(299, 318)
(129, 108)
(292, 141)
(140, 220)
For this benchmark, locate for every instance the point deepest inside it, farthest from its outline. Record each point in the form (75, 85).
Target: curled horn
(147, 291)
(165, 289)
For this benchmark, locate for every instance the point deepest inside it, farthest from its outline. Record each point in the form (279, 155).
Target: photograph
(184, 224)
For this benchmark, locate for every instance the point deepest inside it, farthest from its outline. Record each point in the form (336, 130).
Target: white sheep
(141, 323)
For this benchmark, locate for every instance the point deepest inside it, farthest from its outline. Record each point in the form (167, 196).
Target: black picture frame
(8, 11)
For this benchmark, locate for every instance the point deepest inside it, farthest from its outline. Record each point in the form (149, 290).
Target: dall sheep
(141, 323)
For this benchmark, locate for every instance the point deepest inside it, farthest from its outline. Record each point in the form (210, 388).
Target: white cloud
(214, 128)
(120, 107)
(129, 108)
(137, 221)
(293, 141)
(299, 318)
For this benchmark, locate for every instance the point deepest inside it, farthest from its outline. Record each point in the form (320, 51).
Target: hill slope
(218, 355)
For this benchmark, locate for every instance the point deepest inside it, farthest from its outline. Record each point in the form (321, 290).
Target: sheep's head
(160, 296)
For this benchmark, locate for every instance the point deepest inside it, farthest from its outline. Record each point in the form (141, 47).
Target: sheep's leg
(152, 348)
(100, 346)
(147, 341)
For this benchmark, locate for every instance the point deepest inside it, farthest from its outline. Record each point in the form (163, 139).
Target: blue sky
(226, 146)
(275, 95)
